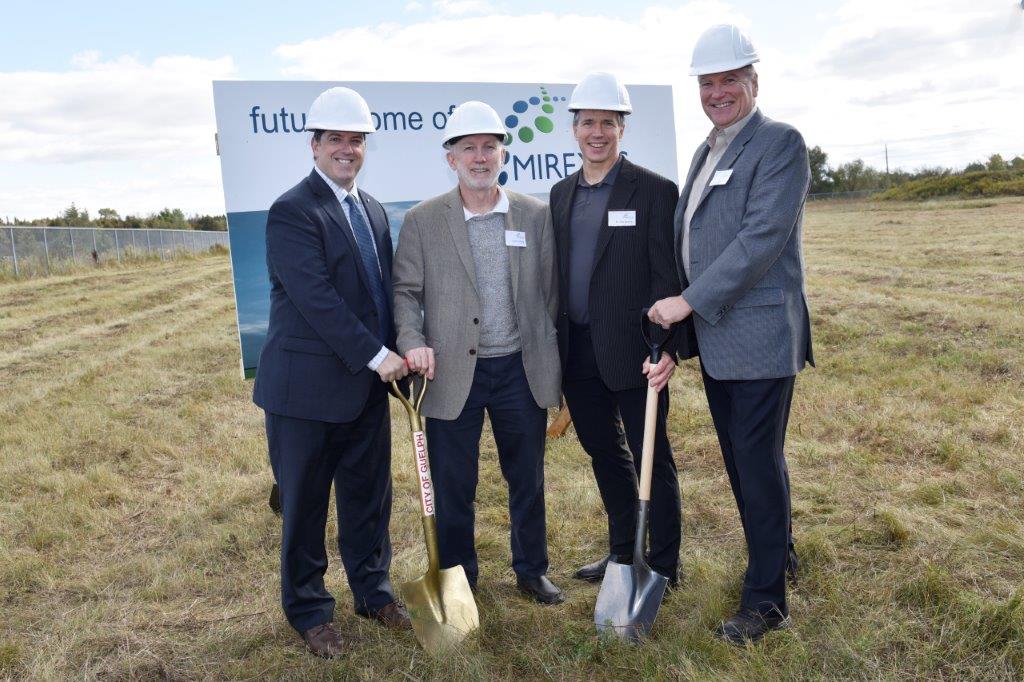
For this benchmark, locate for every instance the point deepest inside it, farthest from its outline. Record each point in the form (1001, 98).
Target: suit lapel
(621, 196)
(515, 253)
(698, 160)
(733, 151)
(561, 213)
(456, 219)
(332, 207)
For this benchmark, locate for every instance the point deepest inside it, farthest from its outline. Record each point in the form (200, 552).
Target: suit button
(476, 320)
(472, 351)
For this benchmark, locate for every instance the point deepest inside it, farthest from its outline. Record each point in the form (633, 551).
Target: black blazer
(323, 325)
(633, 268)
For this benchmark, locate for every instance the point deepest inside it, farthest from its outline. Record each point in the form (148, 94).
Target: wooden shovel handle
(647, 452)
(654, 345)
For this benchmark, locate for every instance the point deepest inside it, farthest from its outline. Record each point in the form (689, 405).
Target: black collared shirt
(585, 222)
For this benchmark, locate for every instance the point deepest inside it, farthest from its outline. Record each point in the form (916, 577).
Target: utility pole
(886, 164)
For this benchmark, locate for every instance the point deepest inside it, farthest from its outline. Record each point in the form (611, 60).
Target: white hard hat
(600, 90)
(722, 48)
(473, 118)
(341, 109)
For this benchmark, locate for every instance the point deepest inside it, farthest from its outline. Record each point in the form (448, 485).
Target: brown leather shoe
(324, 641)
(393, 616)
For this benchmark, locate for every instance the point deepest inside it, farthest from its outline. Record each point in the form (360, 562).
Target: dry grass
(135, 541)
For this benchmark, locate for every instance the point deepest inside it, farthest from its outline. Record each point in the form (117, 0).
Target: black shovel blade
(629, 600)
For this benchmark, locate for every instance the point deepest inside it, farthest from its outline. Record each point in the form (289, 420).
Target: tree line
(166, 219)
(852, 176)
(856, 176)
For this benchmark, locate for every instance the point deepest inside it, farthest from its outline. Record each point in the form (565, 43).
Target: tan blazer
(436, 300)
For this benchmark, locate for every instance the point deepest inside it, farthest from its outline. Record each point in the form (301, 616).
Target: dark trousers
(500, 387)
(750, 418)
(610, 427)
(307, 456)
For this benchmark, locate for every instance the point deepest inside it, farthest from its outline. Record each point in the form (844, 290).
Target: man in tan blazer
(475, 293)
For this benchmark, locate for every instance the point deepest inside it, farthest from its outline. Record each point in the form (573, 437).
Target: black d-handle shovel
(631, 593)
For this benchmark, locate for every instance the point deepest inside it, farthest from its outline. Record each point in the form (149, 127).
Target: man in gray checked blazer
(738, 228)
(475, 303)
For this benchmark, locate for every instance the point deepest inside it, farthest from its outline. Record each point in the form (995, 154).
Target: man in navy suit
(323, 373)
(738, 226)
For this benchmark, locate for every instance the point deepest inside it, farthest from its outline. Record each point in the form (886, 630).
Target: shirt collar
(500, 207)
(728, 134)
(608, 179)
(338, 190)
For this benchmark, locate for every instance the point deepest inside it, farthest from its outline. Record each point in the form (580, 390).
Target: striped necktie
(364, 240)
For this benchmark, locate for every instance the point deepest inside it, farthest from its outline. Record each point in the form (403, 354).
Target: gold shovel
(440, 602)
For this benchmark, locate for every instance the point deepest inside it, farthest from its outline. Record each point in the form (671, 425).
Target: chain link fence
(32, 251)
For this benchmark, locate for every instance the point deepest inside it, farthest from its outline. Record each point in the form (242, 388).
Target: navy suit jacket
(323, 326)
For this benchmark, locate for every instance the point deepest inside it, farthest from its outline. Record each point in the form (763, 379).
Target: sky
(109, 103)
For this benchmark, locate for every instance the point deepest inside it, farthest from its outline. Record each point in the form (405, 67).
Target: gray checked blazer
(437, 305)
(750, 305)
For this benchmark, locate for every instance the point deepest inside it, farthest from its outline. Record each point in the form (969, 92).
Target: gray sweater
(499, 332)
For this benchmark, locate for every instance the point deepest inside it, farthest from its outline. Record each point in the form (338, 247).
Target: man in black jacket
(613, 232)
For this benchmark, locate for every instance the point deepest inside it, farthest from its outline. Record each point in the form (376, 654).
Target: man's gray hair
(618, 114)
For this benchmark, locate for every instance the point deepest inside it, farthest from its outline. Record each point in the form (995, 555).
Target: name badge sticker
(515, 238)
(622, 218)
(720, 178)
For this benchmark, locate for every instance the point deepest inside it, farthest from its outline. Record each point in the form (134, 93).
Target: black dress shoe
(542, 590)
(594, 572)
(748, 625)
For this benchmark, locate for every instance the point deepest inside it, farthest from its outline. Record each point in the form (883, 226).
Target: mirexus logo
(522, 128)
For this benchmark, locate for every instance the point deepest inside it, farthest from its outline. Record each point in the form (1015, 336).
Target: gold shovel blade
(442, 608)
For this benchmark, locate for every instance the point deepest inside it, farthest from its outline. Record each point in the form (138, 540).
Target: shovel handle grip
(413, 401)
(654, 336)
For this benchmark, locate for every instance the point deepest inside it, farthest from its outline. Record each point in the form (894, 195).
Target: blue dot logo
(525, 128)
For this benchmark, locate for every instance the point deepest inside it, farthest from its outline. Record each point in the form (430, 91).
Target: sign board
(264, 150)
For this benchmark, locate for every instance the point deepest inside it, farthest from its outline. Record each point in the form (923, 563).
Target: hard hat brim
(705, 69)
(341, 127)
(621, 108)
(497, 133)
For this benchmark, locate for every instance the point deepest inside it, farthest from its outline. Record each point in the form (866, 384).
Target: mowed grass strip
(135, 541)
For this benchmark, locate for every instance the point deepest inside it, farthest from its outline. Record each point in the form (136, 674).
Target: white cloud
(906, 73)
(455, 8)
(114, 109)
(652, 48)
(119, 132)
(937, 80)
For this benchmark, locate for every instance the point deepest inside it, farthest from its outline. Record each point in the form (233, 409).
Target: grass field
(135, 540)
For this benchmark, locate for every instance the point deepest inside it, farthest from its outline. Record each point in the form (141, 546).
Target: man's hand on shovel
(421, 361)
(659, 374)
(392, 368)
